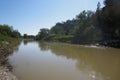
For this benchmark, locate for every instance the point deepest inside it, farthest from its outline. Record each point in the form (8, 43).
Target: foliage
(64, 28)
(61, 38)
(102, 26)
(25, 36)
(3, 38)
(5, 30)
(86, 32)
(110, 18)
(42, 34)
(8, 33)
(15, 34)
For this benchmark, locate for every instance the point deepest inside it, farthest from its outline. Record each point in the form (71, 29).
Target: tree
(64, 28)
(15, 34)
(98, 15)
(7, 30)
(111, 20)
(44, 32)
(25, 36)
(85, 31)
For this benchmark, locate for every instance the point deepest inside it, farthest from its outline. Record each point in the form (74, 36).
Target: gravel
(5, 74)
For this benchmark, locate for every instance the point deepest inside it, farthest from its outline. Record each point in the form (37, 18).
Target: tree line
(101, 26)
(7, 32)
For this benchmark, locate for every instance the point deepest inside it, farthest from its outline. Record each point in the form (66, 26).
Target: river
(61, 61)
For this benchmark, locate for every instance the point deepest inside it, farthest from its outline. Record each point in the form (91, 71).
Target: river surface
(60, 61)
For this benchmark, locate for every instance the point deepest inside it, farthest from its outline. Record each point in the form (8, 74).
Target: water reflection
(96, 63)
(43, 46)
(60, 61)
(16, 46)
(26, 41)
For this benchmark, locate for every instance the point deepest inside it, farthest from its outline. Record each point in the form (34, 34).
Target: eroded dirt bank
(6, 49)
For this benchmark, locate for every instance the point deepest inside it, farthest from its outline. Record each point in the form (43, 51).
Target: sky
(29, 16)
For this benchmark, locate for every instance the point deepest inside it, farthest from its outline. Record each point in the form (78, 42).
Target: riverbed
(61, 61)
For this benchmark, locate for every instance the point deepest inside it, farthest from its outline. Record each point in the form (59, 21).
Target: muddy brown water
(60, 61)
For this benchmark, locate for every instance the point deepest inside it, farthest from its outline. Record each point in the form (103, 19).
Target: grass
(61, 38)
(5, 38)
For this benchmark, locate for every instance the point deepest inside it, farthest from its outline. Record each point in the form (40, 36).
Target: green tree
(15, 34)
(85, 31)
(64, 28)
(5, 30)
(44, 32)
(25, 36)
(111, 20)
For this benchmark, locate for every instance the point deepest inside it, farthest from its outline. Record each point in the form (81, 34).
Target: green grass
(62, 38)
(5, 38)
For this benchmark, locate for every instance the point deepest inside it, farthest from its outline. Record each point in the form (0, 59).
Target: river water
(60, 61)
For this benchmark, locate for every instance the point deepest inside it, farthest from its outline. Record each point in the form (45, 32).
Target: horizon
(29, 16)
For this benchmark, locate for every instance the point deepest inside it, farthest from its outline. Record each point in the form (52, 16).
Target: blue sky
(28, 16)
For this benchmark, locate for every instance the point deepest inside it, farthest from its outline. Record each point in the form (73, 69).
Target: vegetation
(99, 27)
(110, 20)
(42, 34)
(102, 26)
(2, 38)
(8, 33)
(8, 40)
(26, 36)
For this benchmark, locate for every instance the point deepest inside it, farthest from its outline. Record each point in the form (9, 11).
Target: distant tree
(25, 36)
(57, 29)
(44, 32)
(15, 34)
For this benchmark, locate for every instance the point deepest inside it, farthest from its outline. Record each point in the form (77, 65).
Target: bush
(61, 38)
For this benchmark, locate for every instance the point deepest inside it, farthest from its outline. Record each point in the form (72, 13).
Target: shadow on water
(96, 62)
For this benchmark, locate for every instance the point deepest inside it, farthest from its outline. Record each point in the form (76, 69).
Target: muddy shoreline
(6, 49)
(6, 74)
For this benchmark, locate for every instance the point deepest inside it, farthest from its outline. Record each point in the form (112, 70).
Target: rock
(5, 74)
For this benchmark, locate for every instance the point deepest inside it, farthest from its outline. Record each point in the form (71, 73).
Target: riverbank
(69, 39)
(6, 49)
(6, 74)
(102, 44)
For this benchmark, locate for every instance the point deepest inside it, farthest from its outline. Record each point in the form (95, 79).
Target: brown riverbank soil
(6, 49)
